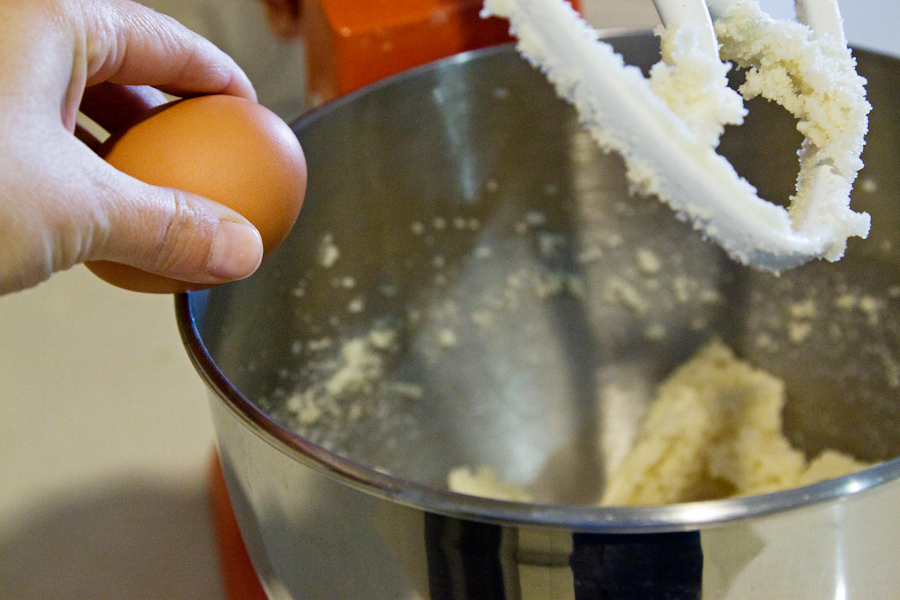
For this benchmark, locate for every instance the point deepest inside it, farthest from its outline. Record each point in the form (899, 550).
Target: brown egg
(225, 148)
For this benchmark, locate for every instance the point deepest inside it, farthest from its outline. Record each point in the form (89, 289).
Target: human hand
(60, 203)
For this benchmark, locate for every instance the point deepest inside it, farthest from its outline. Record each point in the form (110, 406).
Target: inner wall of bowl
(470, 283)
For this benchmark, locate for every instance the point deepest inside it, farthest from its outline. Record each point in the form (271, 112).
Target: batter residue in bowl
(714, 431)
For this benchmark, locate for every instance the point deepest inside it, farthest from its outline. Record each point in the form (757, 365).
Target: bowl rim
(640, 519)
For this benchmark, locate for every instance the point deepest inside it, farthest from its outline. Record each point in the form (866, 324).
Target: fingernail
(236, 251)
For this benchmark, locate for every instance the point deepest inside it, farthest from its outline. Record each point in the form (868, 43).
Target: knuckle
(185, 238)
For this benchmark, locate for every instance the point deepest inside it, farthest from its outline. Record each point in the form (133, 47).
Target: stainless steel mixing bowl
(470, 284)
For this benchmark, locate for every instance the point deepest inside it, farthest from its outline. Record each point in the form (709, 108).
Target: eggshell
(225, 148)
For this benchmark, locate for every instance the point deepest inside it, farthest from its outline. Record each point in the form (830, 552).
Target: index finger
(131, 44)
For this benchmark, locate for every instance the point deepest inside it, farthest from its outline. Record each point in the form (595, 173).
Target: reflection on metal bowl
(470, 283)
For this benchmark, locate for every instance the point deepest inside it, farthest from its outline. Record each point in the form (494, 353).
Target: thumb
(171, 233)
(61, 205)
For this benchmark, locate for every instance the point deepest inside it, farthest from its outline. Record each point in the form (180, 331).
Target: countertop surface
(104, 426)
(106, 438)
